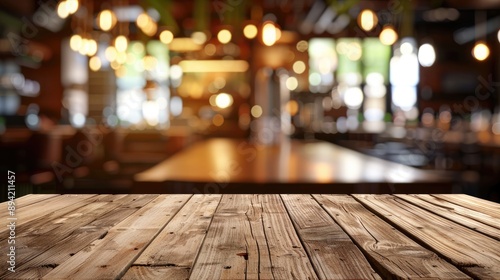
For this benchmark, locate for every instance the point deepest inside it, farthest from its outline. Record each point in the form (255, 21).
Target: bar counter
(222, 165)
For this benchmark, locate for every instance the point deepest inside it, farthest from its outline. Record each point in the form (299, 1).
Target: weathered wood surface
(332, 252)
(255, 237)
(470, 250)
(468, 217)
(395, 255)
(86, 229)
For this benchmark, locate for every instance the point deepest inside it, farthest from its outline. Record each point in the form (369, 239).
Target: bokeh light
(481, 51)
(224, 36)
(250, 31)
(388, 36)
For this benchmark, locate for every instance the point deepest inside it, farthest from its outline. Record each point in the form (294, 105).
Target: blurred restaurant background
(93, 92)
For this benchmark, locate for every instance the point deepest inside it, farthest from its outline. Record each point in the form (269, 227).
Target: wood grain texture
(330, 249)
(394, 255)
(471, 251)
(477, 204)
(156, 272)
(179, 241)
(289, 259)
(50, 206)
(467, 217)
(173, 252)
(256, 237)
(252, 237)
(233, 246)
(111, 256)
(81, 237)
(24, 201)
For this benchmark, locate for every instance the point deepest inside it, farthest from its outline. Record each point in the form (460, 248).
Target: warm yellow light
(205, 66)
(142, 20)
(367, 20)
(95, 63)
(481, 51)
(299, 67)
(199, 37)
(354, 51)
(110, 53)
(292, 107)
(121, 72)
(121, 57)
(106, 20)
(388, 36)
(256, 111)
(166, 37)
(150, 28)
(72, 6)
(91, 47)
(250, 31)
(149, 62)
(121, 43)
(223, 100)
(291, 83)
(224, 36)
(278, 34)
(84, 46)
(75, 42)
(269, 36)
(62, 9)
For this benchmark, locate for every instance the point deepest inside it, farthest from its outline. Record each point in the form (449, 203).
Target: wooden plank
(289, 259)
(28, 223)
(46, 207)
(461, 215)
(393, 254)
(477, 204)
(179, 242)
(34, 240)
(111, 256)
(473, 252)
(330, 249)
(233, 245)
(24, 201)
(32, 198)
(252, 237)
(81, 237)
(156, 272)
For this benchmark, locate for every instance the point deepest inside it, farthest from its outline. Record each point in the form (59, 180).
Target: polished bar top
(294, 161)
(251, 236)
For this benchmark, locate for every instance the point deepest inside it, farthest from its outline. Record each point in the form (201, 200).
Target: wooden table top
(254, 237)
(295, 162)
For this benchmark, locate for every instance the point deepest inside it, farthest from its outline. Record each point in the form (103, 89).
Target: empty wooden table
(236, 166)
(301, 236)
